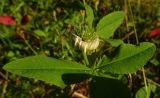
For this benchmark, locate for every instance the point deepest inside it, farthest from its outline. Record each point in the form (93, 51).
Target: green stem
(2, 6)
(145, 82)
(85, 59)
(134, 26)
(137, 41)
(4, 89)
(30, 47)
(152, 82)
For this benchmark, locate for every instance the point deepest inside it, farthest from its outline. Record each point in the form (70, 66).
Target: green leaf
(115, 42)
(141, 93)
(74, 19)
(109, 23)
(90, 16)
(40, 33)
(128, 59)
(17, 8)
(155, 62)
(45, 68)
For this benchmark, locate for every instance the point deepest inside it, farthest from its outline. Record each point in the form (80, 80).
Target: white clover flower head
(87, 45)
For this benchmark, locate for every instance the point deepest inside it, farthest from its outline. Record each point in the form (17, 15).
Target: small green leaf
(46, 69)
(128, 59)
(141, 93)
(18, 7)
(90, 16)
(109, 23)
(40, 33)
(155, 62)
(74, 19)
(115, 42)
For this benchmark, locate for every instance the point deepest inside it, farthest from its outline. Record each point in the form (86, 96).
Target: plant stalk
(30, 47)
(137, 41)
(134, 26)
(145, 82)
(4, 90)
(85, 58)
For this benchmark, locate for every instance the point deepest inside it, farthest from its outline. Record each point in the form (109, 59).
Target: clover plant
(127, 58)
